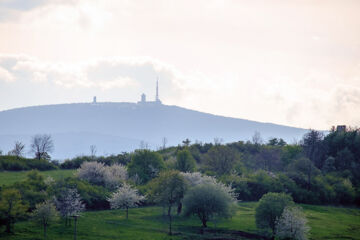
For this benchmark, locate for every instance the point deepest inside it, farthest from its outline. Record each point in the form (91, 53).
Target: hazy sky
(283, 61)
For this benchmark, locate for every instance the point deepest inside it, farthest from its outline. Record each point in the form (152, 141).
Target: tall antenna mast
(157, 89)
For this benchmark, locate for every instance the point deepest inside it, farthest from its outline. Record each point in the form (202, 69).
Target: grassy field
(10, 177)
(148, 223)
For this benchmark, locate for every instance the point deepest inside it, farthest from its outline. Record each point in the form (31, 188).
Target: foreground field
(148, 223)
(10, 177)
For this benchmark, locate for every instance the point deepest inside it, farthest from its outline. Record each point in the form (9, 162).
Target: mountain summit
(116, 127)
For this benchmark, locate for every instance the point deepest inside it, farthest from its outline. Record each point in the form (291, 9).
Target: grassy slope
(10, 177)
(148, 223)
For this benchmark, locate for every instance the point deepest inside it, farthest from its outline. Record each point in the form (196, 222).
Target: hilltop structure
(157, 99)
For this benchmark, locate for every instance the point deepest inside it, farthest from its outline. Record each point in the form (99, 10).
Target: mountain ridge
(120, 126)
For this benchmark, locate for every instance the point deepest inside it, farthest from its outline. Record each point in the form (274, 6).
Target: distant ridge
(117, 127)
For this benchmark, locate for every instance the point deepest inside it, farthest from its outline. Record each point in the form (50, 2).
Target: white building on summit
(157, 99)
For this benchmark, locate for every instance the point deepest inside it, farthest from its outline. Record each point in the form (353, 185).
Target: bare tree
(18, 150)
(93, 151)
(42, 145)
(164, 142)
(218, 141)
(256, 138)
(144, 145)
(186, 142)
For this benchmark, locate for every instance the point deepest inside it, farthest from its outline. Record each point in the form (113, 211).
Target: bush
(13, 163)
(92, 172)
(269, 209)
(292, 224)
(208, 201)
(75, 162)
(94, 196)
(97, 173)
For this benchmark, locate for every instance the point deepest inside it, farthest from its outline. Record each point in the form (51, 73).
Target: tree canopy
(145, 165)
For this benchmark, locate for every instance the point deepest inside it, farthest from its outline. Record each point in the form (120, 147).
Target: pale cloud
(288, 62)
(5, 75)
(102, 73)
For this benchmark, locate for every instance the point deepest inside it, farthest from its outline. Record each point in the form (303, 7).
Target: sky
(293, 62)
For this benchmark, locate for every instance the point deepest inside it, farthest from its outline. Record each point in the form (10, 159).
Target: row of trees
(41, 146)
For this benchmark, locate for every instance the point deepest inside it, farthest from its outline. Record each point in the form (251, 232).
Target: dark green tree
(146, 165)
(208, 201)
(168, 189)
(33, 188)
(11, 208)
(221, 159)
(314, 148)
(303, 171)
(184, 161)
(270, 208)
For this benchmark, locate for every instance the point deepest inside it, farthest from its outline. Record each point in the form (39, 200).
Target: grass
(10, 177)
(148, 223)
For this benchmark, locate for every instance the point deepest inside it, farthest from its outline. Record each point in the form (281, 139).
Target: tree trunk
(127, 213)
(75, 220)
(179, 208)
(44, 231)
(204, 223)
(8, 227)
(170, 220)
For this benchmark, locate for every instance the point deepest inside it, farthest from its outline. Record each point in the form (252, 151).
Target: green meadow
(10, 177)
(326, 222)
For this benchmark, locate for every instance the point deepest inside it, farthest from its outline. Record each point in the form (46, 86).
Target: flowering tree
(45, 213)
(93, 172)
(98, 173)
(114, 175)
(197, 178)
(125, 197)
(69, 204)
(292, 224)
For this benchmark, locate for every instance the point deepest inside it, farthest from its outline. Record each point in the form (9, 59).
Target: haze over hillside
(117, 127)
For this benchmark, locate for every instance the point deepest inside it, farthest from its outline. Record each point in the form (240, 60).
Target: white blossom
(114, 175)
(98, 173)
(49, 180)
(292, 224)
(69, 203)
(125, 197)
(196, 178)
(92, 172)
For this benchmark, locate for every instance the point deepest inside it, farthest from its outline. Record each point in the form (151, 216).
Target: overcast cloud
(288, 62)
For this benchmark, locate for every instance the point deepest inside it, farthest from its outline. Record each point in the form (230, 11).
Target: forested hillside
(320, 170)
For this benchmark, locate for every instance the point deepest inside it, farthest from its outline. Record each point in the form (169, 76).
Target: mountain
(117, 127)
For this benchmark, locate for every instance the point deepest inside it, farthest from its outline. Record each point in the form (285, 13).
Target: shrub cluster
(13, 163)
